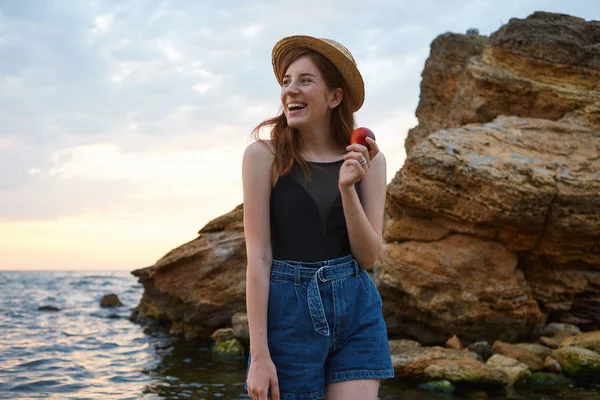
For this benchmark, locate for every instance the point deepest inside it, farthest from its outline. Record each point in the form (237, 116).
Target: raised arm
(365, 221)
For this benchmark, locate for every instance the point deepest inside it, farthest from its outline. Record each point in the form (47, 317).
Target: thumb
(275, 389)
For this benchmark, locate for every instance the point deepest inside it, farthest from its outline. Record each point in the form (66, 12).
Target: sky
(123, 122)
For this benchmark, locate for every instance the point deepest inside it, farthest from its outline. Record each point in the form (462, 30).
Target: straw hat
(334, 52)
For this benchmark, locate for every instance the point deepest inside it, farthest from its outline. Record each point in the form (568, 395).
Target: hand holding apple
(362, 145)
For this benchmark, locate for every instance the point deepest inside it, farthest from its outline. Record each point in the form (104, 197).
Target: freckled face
(305, 96)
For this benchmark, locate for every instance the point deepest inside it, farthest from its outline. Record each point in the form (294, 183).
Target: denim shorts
(324, 325)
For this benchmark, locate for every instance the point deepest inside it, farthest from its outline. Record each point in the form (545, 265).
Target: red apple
(359, 135)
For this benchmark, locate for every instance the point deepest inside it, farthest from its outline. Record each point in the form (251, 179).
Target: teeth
(292, 105)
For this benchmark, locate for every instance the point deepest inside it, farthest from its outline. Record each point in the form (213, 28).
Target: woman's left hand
(352, 171)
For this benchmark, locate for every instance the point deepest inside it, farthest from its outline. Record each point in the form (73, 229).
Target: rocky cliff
(493, 223)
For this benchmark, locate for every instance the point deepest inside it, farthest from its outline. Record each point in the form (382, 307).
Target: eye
(305, 80)
(286, 82)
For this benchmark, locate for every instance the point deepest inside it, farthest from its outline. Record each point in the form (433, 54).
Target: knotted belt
(327, 273)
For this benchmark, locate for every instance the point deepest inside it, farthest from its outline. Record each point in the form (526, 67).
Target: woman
(313, 216)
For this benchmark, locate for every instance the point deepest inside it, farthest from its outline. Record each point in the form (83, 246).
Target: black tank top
(307, 221)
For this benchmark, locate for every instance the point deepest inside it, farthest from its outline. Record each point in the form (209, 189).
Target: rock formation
(200, 285)
(494, 220)
(493, 223)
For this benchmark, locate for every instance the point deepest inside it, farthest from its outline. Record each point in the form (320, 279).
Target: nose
(291, 88)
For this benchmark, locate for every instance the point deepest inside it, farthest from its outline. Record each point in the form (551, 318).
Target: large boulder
(460, 284)
(543, 66)
(199, 286)
(492, 224)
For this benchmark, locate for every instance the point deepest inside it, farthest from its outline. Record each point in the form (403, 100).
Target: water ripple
(86, 352)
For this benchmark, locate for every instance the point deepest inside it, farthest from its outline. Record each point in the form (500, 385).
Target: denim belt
(318, 272)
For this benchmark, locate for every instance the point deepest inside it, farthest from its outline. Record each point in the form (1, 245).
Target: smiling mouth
(296, 106)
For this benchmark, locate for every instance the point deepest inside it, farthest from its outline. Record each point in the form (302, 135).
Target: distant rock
(48, 308)
(110, 300)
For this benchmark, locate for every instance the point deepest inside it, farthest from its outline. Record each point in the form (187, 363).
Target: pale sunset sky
(123, 122)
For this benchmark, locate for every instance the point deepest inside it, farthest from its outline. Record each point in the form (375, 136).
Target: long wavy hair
(286, 140)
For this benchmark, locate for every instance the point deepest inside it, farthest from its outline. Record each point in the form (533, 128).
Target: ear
(335, 97)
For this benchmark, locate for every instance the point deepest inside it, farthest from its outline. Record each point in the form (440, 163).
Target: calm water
(86, 352)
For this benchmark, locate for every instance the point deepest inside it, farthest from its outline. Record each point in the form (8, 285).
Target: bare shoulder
(256, 180)
(260, 149)
(258, 161)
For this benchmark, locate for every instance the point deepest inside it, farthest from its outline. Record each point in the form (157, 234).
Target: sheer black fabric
(307, 221)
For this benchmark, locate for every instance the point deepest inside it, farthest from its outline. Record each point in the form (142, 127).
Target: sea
(74, 349)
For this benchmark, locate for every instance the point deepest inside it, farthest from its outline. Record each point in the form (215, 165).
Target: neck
(318, 142)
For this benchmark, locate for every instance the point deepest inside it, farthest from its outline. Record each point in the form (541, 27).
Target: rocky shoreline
(490, 270)
(563, 356)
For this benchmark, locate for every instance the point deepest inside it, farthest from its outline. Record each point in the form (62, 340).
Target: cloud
(102, 24)
(252, 31)
(126, 80)
(104, 178)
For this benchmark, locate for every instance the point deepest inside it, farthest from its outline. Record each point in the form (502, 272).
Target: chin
(295, 123)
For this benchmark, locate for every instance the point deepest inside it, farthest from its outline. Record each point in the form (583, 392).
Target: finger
(359, 168)
(374, 147)
(354, 155)
(365, 152)
(358, 148)
(359, 157)
(275, 390)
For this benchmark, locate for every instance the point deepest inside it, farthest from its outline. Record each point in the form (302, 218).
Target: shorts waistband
(325, 271)
(317, 273)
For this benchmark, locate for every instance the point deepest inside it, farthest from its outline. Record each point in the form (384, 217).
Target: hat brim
(334, 52)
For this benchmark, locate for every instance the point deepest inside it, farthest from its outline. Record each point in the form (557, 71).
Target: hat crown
(340, 48)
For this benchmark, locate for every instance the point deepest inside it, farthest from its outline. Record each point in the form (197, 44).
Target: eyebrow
(303, 74)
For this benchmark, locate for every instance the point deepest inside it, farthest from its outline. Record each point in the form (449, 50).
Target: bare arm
(256, 178)
(365, 221)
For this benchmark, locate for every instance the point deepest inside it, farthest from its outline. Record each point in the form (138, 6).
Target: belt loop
(357, 269)
(296, 275)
